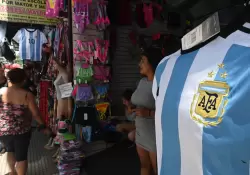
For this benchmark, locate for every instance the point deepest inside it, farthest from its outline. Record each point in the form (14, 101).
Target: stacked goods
(69, 162)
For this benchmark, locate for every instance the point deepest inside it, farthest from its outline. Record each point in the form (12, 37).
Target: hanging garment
(84, 74)
(103, 110)
(3, 28)
(84, 93)
(51, 37)
(58, 38)
(51, 9)
(101, 17)
(43, 100)
(148, 14)
(101, 50)
(30, 43)
(84, 51)
(209, 124)
(85, 116)
(81, 16)
(101, 90)
(102, 73)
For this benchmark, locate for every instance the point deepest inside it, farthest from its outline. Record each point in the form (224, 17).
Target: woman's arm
(34, 109)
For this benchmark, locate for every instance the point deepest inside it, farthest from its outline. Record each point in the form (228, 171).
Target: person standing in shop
(15, 125)
(144, 101)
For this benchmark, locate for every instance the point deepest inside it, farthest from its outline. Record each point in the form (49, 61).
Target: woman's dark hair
(16, 76)
(127, 94)
(154, 56)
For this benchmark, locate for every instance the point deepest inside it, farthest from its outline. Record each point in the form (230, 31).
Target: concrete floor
(40, 159)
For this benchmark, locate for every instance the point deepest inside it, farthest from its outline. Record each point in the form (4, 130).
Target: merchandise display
(70, 157)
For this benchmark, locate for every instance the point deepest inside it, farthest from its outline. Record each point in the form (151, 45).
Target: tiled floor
(40, 159)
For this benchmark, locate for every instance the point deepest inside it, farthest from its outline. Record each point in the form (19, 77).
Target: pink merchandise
(148, 14)
(101, 72)
(50, 8)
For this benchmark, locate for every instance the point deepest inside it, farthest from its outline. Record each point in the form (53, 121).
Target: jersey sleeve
(17, 36)
(159, 71)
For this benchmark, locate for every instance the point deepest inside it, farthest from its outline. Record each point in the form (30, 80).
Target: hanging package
(84, 74)
(102, 90)
(101, 72)
(84, 93)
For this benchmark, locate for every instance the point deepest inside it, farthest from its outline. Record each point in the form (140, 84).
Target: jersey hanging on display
(30, 43)
(204, 130)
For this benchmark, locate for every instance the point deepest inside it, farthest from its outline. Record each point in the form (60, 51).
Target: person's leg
(125, 127)
(145, 160)
(153, 160)
(22, 167)
(21, 152)
(8, 143)
(11, 160)
(131, 136)
(120, 127)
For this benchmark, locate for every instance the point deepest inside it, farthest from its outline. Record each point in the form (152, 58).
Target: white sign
(66, 90)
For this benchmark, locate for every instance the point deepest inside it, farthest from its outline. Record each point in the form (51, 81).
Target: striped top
(202, 99)
(30, 43)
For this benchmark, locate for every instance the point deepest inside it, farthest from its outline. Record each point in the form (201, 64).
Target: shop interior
(79, 69)
(79, 91)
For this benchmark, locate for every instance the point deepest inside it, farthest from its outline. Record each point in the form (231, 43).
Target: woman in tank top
(15, 122)
(144, 101)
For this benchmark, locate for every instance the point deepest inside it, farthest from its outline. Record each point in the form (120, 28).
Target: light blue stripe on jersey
(159, 71)
(23, 44)
(171, 156)
(226, 146)
(32, 43)
(38, 46)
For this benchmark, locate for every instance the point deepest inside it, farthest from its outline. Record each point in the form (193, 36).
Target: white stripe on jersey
(158, 103)
(155, 83)
(188, 130)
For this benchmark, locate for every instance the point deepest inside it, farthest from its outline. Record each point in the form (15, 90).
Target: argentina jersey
(30, 43)
(202, 104)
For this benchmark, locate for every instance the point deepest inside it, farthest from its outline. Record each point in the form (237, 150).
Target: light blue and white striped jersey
(30, 43)
(238, 37)
(202, 121)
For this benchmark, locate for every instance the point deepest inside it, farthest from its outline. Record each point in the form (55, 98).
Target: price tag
(209, 28)
(192, 38)
(85, 116)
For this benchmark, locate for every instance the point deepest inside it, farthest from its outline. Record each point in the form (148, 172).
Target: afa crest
(208, 105)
